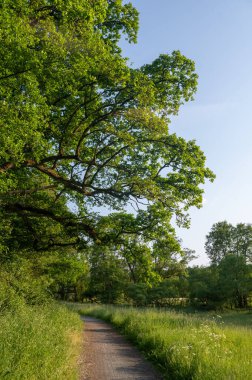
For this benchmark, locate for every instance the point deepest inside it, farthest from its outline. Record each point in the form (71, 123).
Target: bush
(19, 286)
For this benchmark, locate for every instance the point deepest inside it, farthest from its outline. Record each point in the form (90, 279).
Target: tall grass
(39, 342)
(184, 346)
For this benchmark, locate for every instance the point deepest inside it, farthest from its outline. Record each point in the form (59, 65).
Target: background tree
(224, 239)
(228, 280)
(235, 281)
(219, 241)
(108, 276)
(243, 241)
(203, 286)
(67, 273)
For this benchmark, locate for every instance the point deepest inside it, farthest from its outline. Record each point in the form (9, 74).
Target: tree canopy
(81, 129)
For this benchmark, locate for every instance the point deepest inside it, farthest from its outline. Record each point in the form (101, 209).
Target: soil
(107, 355)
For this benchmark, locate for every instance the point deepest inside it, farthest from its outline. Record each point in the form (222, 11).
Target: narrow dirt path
(108, 356)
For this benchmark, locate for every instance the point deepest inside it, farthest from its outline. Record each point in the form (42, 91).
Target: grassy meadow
(186, 346)
(39, 342)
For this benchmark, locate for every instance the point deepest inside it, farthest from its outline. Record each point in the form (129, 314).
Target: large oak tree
(80, 129)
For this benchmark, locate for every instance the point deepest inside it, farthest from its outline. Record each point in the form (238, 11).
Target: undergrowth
(39, 342)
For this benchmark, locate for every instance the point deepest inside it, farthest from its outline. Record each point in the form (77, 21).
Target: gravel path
(108, 356)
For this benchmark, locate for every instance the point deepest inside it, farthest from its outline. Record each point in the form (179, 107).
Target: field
(186, 346)
(39, 342)
(43, 342)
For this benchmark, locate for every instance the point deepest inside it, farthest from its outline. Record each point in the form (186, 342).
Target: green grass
(39, 342)
(237, 317)
(186, 346)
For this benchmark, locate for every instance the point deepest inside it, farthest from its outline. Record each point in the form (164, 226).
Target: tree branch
(39, 212)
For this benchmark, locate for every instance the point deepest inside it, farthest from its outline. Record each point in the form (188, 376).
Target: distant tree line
(132, 275)
(228, 280)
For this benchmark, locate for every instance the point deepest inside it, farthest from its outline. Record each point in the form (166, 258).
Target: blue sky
(217, 35)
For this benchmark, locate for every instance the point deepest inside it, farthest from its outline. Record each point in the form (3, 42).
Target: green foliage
(224, 239)
(128, 269)
(173, 291)
(183, 346)
(228, 280)
(235, 280)
(138, 294)
(168, 292)
(66, 273)
(77, 124)
(39, 343)
(229, 284)
(203, 286)
(107, 276)
(32, 278)
(20, 286)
